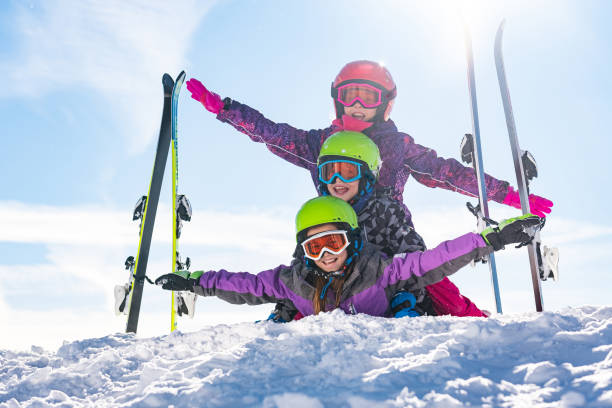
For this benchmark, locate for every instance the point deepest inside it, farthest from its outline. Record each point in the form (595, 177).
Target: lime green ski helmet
(354, 145)
(322, 210)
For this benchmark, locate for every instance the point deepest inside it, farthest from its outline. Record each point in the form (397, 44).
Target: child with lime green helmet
(381, 217)
(335, 270)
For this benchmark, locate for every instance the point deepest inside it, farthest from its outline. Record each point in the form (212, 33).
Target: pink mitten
(539, 206)
(211, 101)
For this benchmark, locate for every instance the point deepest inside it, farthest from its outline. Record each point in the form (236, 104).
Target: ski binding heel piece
(185, 303)
(550, 263)
(121, 295)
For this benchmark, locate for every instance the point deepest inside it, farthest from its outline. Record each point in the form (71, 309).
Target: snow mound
(550, 359)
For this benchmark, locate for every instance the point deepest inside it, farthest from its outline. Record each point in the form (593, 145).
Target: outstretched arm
(233, 287)
(433, 171)
(419, 269)
(299, 147)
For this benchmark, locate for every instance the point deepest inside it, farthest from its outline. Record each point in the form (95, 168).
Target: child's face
(342, 190)
(359, 112)
(328, 262)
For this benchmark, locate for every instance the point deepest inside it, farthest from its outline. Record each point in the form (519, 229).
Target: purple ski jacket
(368, 289)
(401, 156)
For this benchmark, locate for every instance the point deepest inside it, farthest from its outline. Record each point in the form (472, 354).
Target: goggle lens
(333, 241)
(347, 171)
(367, 95)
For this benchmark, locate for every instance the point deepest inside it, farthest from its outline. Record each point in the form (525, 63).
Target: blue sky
(81, 105)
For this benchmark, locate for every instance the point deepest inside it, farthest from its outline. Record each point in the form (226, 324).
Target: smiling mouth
(358, 115)
(329, 261)
(340, 190)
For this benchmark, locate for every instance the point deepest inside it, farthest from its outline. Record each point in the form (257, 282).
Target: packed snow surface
(550, 359)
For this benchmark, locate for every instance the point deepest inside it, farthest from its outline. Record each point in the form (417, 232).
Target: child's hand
(539, 206)
(177, 281)
(518, 230)
(211, 101)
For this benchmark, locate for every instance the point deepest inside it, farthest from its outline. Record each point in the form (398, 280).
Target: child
(348, 166)
(363, 94)
(340, 271)
(381, 217)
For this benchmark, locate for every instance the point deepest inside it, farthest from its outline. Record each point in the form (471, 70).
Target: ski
(147, 209)
(471, 150)
(181, 211)
(122, 291)
(543, 261)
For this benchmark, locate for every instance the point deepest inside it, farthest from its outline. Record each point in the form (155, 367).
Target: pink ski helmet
(375, 79)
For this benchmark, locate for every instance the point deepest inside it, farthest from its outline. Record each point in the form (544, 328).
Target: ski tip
(179, 80)
(168, 83)
(501, 27)
(498, 39)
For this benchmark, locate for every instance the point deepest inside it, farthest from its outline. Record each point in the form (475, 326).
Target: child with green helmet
(337, 270)
(348, 167)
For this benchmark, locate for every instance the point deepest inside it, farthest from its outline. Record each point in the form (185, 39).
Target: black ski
(542, 260)
(150, 207)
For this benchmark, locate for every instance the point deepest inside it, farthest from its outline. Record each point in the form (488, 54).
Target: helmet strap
(355, 248)
(380, 112)
(324, 290)
(322, 187)
(366, 188)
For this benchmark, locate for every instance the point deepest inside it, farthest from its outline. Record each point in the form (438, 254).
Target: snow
(550, 359)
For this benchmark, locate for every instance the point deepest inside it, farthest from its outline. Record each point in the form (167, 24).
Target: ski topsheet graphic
(542, 260)
(471, 152)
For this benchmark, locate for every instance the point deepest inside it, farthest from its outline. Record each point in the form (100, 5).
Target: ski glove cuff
(182, 280)
(211, 101)
(518, 230)
(539, 206)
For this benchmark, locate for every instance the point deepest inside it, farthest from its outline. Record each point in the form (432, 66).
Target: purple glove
(539, 206)
(211, 101)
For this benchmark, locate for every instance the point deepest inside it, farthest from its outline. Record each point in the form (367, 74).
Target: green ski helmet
(353, 145)
(323, 210)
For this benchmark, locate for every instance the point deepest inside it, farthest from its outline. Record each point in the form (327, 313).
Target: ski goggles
(369, 96)
(332, 241)
(345, 170)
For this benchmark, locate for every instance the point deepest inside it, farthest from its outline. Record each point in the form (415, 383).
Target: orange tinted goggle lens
(334, 242)
(369, 96)
(348, 171)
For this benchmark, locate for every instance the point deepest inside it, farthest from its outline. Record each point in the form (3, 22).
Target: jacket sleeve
(244, 287)
(419, 269)
(299, 147)
(433, 171)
